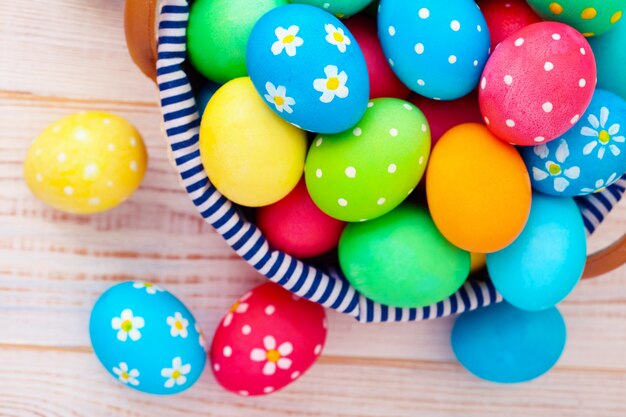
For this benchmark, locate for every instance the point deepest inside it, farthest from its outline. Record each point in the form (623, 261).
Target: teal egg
(544, 264)
(501, 343)
(340, 8)
(610, 56)
(587, 158)
(147, 339)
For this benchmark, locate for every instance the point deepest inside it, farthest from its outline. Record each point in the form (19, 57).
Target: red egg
(505, 17)
(444, 115)
(383, 82)
(267, 340)
(295, 225)
(537, 83)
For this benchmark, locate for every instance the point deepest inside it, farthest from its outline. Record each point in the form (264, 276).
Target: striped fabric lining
(328, 288)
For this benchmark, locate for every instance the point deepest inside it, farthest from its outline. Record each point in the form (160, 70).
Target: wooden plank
(62, 383)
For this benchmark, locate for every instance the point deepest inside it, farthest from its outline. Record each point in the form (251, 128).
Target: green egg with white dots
(368, 170)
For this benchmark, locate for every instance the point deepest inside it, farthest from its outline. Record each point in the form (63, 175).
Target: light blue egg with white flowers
(436, 48)
(308, 68)
(587, 158)
(147, 339)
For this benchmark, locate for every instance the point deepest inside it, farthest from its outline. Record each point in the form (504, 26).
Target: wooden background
(62, 56)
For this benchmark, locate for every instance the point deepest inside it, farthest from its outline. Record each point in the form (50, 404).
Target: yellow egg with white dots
(86, 163)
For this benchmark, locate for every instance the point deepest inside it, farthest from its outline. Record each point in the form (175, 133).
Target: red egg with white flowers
(268, 339)
(537, 83)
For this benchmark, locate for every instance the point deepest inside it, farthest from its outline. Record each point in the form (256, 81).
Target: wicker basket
(163, 60)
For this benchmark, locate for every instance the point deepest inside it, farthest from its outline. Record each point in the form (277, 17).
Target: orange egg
(478, 189)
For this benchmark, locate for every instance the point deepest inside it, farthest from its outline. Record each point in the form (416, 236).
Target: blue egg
(437, 48)
(501, 343)
(308, 68)
(544, 264)
(610, 57)
(587, 158)
(147, 339)
(205, 94)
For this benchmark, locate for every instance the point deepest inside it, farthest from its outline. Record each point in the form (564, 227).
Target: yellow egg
(478, 261)
(251, 155)
(86, 163)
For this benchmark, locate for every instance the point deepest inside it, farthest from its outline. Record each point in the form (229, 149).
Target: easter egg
(500, 343)
(611, 59)
(397, 259)
(147, 339)
(253, 157)
(504, 18)
(308, 68)
(444, 115)
(268, 339)
(437, 49)
(478, 189)
(218, 32)
(295, 225)
(591, 17)
(340, 8)
(86, 163)
(205, 94)
(588, 157)
(383, 82)
(537, 83)
(545, 262)
(365, 172)
(477, 261)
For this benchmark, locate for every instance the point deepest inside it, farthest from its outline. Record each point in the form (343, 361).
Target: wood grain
(62, 56)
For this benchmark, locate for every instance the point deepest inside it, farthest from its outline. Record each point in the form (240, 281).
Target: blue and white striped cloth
(328, 288)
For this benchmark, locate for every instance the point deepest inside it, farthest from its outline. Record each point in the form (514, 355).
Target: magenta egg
(537, 83)
(267, 340)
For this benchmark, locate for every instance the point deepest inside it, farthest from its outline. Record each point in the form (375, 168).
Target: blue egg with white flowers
(308, 68)
(436, 48)
(501, 343)
(546, 261)
(147, 339)
(587, 158)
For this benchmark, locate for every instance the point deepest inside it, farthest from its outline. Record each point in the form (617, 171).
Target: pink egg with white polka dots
(537, 83)
(267, 340)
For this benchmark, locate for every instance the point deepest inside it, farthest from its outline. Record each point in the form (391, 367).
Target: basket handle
(139, 25)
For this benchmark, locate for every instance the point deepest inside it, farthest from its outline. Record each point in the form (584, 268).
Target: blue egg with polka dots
(436, 48)
(147, 339)
(587, 158)
(308, 68)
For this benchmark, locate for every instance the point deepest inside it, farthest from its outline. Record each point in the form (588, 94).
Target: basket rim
(181, 123)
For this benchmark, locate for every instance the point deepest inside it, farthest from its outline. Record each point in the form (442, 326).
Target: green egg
(401, 259)
(590, 17)
(366, 171)
(340, 8)
(218, 32)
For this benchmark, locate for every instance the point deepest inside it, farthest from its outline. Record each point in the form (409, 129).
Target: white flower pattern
(149, 287)
(287, 40)
(274, 357)
(602, 135)
(125, 375)
(334, 85)
(278, 97)
(178, 325)
(239, 307)
(600, 184)
(555, 169)
(127, 326)
(201, 338)
(336, 36)
(176, 374)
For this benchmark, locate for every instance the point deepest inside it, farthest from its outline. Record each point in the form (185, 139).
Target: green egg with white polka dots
(367, 171)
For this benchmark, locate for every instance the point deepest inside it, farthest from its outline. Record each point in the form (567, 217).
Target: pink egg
(537, 83)
(267, 340)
